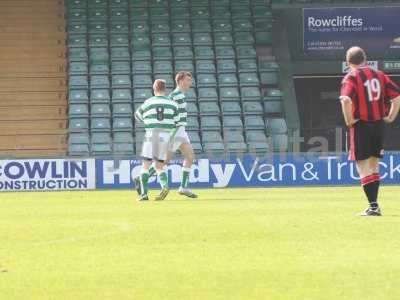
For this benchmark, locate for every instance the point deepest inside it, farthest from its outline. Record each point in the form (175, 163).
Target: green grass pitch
(275, 243)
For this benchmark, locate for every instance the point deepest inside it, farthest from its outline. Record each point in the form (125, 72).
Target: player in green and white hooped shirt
(181, 139)
(160, 116)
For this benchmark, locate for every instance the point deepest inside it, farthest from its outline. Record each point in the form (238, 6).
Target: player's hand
(352, 122)
(387, 120)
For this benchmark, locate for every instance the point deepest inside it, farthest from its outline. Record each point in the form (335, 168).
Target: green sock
(144, 182)
(152, 170)
(185, 177)
(163, 176)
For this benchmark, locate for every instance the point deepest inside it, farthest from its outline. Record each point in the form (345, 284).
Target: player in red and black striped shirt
(369, 98)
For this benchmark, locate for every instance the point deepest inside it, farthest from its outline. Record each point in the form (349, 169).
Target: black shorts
(366, 140)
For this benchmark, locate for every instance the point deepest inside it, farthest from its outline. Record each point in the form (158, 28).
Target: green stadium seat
(78, 125)
(273, 107)
(231, 108)
(236, 147)
(141, 54)
(77, 15)
(180, 26)
(119, 40)
(159, 3)
(162, 67)
(192, 109)
(210, 123)
(254, 122)
(250, 94)
(139, 13)
(219, 3)
(249, 79)
(120, 54)
(123, 137)
(121, 96)
(220, 12)
(78, 138)
(100, 96)
(100, 110)
(100, 125)
(227, 80)
(264, 38)
(184, 65)
(266, 64)
(170, 82)
(77, 40)
(159, 13)
(78, 96)
(262, 12)
(78, 111)
(206, 80)
(280, 143)
(77, 28)
(276, 126)
(240, 3)
(192, 123)
(202, 39)
(252, 108)
(183, 52)
(224, 52)
(181, 12)
(199, 12)
(100, 149)
(99, 68)
(226, 66)
(162, 53)
(140, 27)
(240, 11)
(160, 39)
(77, 54)
(98, 28)
(194, 136)
(140, 94)
(120, 68)
(122, 124)
(123, 149)
(223, 38)
(142, 81)
(98, 55)
(122, 110)
(100, 138)
(244, 38)
(97, 3)
(204, 52)
(257, 141)
(246, 52)
(98, 40)
(119, 15)
(214, 148)
(211, 137)
(247, 66)
(120, 4)
(201, 26)
(142, 67)
(99, 82)
(263, 25)
(232, 136)
(160, 26)
(222, 25)
(78, 82)
(179, 3)
(232, 122)
(119, 28)
(181, 39)
(205, 66)
(78, 150)
(140, 42)
(139, 126)
(78, 68)
(200, 3)
(209, 108)
(242, 25)
(76, 4)
(229, 94)
(269, 78)
(207, 94)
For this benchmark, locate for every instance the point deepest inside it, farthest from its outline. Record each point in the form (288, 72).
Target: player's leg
(161, 153)
(188, 155)
(144, 179)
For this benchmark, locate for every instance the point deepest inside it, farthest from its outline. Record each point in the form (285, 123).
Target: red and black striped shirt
(370, 92)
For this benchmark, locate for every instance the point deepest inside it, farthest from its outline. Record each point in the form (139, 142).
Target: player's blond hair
(159, 86)
(182, 75)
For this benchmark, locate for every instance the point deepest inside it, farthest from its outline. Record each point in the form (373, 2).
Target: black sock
(375, 194)
(371, 191)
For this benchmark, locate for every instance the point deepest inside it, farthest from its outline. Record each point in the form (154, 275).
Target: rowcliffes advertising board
(47, 174)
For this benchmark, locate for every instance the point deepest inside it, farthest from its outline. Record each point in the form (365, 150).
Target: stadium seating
(116, 48)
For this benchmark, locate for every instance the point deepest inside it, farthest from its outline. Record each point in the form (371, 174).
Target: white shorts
(156, 144)
(180, 138)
